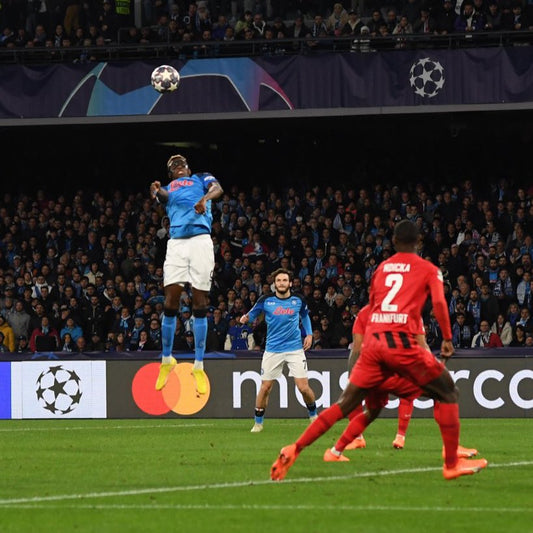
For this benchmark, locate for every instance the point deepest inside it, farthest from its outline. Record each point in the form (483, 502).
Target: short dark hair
(406, 232)
(282, 271)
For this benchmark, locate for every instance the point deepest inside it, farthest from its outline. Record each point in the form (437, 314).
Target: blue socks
(168, 328)
(200, 335)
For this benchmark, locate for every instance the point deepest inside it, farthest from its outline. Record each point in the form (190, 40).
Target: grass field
(213, 475)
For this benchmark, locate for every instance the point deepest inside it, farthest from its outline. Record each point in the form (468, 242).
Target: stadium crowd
(84, 272)
(96, 23)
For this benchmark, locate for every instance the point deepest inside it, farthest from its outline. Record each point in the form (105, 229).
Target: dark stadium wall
(341, 151)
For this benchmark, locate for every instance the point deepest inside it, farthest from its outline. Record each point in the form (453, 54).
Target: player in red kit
(406, 390)
(399, 289)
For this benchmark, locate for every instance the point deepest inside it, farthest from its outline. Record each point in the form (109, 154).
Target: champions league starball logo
(426, 77)
(58, 390)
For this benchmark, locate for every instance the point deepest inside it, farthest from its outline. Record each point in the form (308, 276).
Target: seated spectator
(154, 332)
(461, 333)
(519, 337)
(516, 20)
(81, 345)
(144, 343)
(135, 335)
(67, 344)
(239, 336)
(44, 338)
(19, 319)
(3, 347)
(493, 17)
(23, 345)
(217, 331)
(485, 338)
(342, 331)
(185, 343)
(469, 21)
(502, 327)
(8, 334)
(336, 21)
(72, 329)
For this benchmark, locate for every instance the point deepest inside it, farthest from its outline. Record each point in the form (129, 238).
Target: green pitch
(213, 476)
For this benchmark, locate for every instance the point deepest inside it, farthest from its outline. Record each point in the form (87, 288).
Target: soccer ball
(165, 79)
(426, 77)
(58, 390)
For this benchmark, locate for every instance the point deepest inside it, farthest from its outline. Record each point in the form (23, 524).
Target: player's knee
(199, 312)
(167, 311)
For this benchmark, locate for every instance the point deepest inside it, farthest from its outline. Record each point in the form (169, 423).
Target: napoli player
(399, 289)
(189, 258)
(283, 311)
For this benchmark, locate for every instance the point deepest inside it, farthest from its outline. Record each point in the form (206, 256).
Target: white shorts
(272, 364)
(190, 260)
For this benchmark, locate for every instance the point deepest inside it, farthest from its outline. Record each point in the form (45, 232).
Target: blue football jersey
(282, 317)
(183, 194)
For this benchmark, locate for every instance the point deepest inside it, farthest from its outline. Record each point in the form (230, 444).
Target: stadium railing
(165, 48)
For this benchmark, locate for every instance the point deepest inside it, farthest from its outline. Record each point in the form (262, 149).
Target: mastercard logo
(178, 395)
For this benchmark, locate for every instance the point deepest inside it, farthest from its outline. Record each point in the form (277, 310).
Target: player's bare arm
(355, 351)
(243, 319)
(446, 349)
(214, 191)
(158, 192)
(308, 342)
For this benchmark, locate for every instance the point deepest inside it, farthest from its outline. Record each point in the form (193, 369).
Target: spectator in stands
(486, 338)
(502, 327)
(469, 21)
(72, 329)
(516, 20)
(342, 331)
(81, 345)
(446, 17)
(3, 347)
(22, 345)
(337, 20)
(244, 22)
(44, 338)
(8, 334)
(519, 337)
(425, 23)
(375, 21)
(19, 319)
(67, 344)
(461, 332)
(108, 22)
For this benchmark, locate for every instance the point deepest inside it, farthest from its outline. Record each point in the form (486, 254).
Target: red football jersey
(359, 325)
(361, 319)
(399, 289)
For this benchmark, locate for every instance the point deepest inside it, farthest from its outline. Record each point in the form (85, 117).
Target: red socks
(356, 426)
(447, 417)
(405, 409)
(325, 420)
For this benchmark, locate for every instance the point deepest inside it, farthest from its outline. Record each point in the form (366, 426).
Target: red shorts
(387, 354)
(397, 385)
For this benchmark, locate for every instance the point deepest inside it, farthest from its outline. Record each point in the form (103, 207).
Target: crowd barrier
(492, 383)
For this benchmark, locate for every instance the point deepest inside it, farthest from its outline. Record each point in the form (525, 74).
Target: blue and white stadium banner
(66, 389)
(333, 81)
(5, 390)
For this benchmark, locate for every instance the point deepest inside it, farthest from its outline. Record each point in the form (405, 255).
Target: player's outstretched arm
(158, 192)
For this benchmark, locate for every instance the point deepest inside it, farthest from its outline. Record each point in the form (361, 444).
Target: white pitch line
(245, 507)
(84, 428)
(237, 484)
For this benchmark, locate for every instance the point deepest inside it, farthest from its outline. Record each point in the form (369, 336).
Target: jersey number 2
(394, 281)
